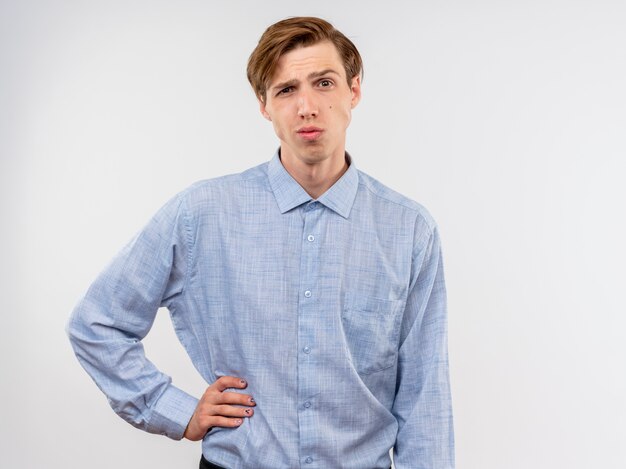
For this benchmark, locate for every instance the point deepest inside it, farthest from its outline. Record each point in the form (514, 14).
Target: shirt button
(306, 350)
(311, 238)
(308, 460)
(307, 404)
(307, 294)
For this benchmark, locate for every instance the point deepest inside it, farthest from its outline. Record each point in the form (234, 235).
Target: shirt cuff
(172, 413)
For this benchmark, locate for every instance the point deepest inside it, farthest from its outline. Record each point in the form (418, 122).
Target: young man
(311, 296)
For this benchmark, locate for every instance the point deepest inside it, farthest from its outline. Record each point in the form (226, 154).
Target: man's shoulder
(391, 198)
(255, 176)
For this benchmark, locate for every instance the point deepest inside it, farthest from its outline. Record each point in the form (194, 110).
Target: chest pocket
(371, 327)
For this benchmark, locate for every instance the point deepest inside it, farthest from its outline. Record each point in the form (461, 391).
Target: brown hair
(290, 34)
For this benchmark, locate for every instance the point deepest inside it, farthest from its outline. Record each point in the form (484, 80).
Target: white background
(506, 119)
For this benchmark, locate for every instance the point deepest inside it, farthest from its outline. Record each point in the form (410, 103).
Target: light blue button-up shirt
(333, 310)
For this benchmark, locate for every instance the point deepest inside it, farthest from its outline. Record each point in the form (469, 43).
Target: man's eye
(325, 83)
(286, 90)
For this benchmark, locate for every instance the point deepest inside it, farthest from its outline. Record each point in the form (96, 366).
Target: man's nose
(307, 105)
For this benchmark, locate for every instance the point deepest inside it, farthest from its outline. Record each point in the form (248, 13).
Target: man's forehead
(303, 61)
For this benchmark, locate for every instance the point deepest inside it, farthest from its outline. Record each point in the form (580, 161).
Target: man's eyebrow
(310, 76)
(327, 71)
(284, 84)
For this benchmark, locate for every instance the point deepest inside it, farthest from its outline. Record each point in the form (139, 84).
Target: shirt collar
(289, 194)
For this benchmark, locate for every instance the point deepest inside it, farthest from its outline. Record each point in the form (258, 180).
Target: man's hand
(220, 409)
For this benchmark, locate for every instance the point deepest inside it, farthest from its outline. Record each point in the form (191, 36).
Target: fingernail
(239, 421)
(243, 382)
(247, 411)
(252, 400)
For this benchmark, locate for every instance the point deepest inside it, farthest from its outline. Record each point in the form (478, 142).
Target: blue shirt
(333, 310)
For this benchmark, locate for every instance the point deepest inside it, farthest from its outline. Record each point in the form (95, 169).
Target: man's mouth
(309, 133)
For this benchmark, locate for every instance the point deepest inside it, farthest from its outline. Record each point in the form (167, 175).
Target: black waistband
(204, 464)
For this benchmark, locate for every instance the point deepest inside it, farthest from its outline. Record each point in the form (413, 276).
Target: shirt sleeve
(423, 404)
(118, 310)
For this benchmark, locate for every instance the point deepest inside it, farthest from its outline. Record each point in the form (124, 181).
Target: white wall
(506, 119)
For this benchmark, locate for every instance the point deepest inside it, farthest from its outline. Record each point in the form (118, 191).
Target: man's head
(289, 34)
(307, 76)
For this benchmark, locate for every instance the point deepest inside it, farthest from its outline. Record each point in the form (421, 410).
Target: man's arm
(423, 403)
(107, 326)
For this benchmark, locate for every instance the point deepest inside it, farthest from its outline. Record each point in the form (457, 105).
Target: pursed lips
(309, 133)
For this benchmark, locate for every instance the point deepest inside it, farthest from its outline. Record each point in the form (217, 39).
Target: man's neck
(315, 178)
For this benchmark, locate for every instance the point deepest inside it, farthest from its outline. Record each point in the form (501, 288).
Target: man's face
(309, 102)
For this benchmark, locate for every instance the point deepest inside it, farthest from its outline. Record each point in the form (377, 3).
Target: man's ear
(264, 112)
(355, 87)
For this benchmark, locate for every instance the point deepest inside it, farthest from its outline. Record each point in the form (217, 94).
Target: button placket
(308, 325)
